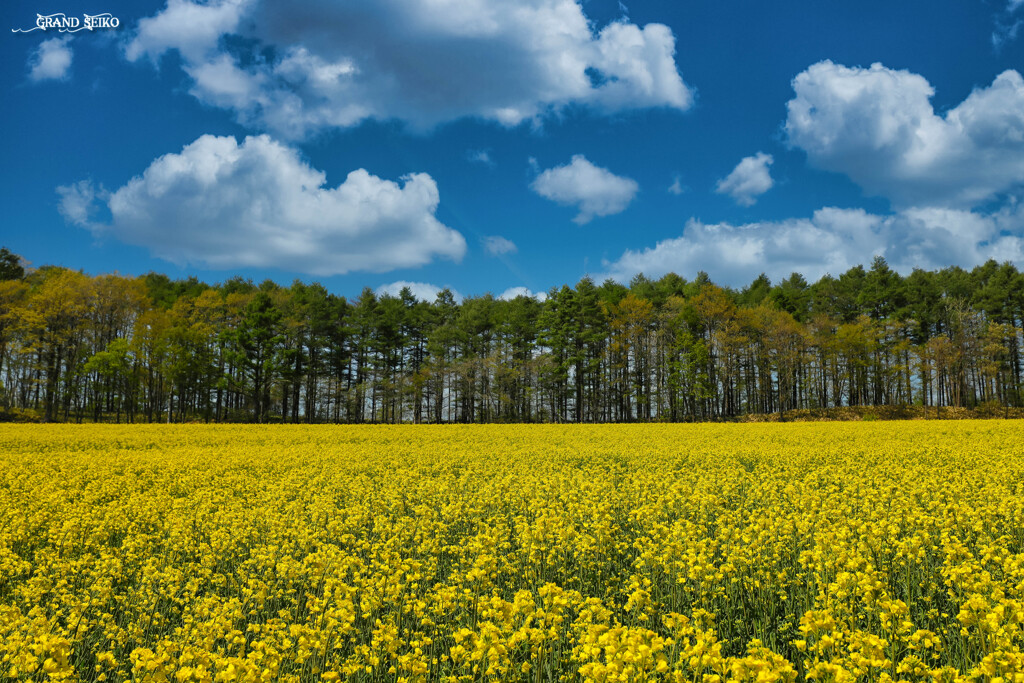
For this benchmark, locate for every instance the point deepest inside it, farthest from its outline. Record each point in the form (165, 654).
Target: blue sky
(498, 144)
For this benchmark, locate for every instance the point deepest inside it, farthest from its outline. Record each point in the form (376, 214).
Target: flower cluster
(839, 552)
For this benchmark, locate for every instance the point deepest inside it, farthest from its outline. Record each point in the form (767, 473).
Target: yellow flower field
(764, 552)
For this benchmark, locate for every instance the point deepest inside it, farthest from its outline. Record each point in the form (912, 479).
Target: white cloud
(258, 204)
(52, 60)
(594, 190)
(736, 254)
(193, 29)
(78, 201)
(324, 64)
(677, 188)
(496, 245)
(1007, 26)
(1005, 33)
(424, 291)
(831, 241)
(749, 180)
(513, 292)
(480, 156)
(937, 237)
(878, 127)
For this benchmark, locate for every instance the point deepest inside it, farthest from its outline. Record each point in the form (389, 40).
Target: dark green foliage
(153, 348)
(10, 266)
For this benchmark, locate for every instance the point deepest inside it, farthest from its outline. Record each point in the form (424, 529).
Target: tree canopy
(149, 348)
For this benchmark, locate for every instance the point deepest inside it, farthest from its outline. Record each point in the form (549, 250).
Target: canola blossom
(833, 552)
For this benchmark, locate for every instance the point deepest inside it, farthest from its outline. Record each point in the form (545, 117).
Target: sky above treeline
(511, 146)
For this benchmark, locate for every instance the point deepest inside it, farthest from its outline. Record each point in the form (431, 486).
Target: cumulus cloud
(424, 291)
(514, 292)
(831, 241)
(258, 204)
(749, 180)
(878, 127)
(303, 68)
(677, 188)
(937, 237)
(194, 29)
(51, 61)
(496, 245)
(595, 191)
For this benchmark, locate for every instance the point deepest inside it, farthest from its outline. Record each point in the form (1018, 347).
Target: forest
(75, 347)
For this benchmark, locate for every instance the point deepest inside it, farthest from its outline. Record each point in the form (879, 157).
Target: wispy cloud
(480, 156)
(51, 61)
(496, 245)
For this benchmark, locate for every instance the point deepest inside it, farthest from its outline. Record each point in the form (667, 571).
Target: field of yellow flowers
(707, 553)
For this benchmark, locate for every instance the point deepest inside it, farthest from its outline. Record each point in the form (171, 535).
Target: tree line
(76, 347)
